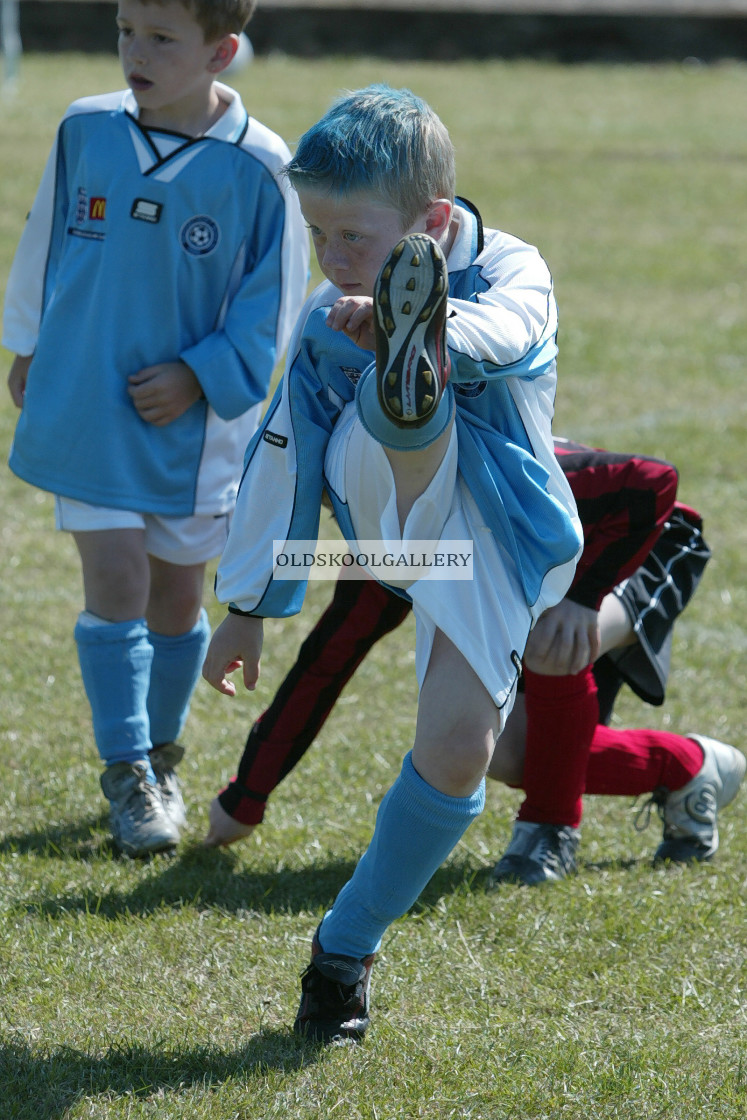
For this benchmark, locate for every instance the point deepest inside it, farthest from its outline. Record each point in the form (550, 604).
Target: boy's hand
(236, 642)
(164, 392)
(17, 378)
(224, 830)
(353, 315)
(564, 641)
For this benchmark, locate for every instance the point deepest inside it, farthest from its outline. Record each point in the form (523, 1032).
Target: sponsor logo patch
(146, 211)
(353, 375)
(275, 439)
(199, 235)
(97, 209)
(86, 234)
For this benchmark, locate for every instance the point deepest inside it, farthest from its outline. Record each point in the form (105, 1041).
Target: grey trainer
(164, 759)
(537, 853)
(690, 814)
(139, 822)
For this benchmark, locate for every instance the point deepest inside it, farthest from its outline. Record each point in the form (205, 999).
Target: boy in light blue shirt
(418, 392)
(151, 295)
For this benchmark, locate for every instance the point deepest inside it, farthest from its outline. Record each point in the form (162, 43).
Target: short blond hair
(387, 141)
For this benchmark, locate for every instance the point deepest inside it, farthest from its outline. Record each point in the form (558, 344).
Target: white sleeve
(25, 288)
(513, 314)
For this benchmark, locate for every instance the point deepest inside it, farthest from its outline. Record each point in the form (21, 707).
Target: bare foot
(224, 830)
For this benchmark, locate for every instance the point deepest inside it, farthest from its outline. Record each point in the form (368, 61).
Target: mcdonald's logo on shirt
(97, 209)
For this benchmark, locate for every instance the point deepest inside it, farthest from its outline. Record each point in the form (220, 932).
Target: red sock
(634, 762)
(562, 714)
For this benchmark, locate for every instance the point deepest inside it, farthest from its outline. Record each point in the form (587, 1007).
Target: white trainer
(690, 814)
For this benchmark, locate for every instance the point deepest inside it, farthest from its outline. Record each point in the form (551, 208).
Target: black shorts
(654, 597)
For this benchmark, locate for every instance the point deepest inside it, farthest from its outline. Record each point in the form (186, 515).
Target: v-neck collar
(230, 127)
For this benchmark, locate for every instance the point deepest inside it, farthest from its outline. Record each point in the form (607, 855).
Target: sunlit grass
(167, 989)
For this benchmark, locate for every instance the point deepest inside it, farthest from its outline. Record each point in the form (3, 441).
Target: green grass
(167, 989)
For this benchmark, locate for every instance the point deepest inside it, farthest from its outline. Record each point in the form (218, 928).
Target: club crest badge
(470, 388)
(199, 235)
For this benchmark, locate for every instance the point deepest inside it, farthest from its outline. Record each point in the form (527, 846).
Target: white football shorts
(486, 617)
(176, 540)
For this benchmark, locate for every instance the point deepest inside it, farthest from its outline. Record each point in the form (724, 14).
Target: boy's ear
(438, 218)
(225, 51)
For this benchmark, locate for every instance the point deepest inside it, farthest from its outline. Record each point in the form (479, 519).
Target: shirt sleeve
(509, 320)
(25, 289)
(24, 296)
(234, 364)
(623, 503)
(281, 490)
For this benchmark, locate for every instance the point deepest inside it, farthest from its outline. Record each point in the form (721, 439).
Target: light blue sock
(177, 663)
(385, 431)
(115, 660)
(416, 829)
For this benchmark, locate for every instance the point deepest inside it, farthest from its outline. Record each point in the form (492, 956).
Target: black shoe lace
(656, 800)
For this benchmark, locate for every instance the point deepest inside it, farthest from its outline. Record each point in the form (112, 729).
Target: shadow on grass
(206, 879)
(46, 1085)
(216, 878)
(80, 840)
(619, 864)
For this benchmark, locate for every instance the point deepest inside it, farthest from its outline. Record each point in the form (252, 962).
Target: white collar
(229, 126)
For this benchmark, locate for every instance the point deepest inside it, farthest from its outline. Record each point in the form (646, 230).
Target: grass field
(167, 989)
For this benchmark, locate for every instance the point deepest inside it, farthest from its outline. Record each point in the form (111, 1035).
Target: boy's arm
(502, 312)
(25, 289)
(234, 364)
(281, 490)
(623, 503)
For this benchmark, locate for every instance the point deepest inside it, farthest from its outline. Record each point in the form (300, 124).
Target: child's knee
(176, 594)
(115, 574)
(454, 764)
